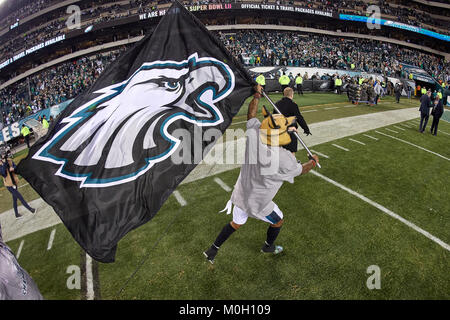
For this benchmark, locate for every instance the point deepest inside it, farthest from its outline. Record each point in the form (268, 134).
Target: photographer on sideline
(10, 181)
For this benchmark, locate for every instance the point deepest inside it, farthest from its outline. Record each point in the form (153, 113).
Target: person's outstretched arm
(253, 106)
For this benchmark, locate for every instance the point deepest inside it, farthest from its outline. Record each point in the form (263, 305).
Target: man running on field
(260, 180)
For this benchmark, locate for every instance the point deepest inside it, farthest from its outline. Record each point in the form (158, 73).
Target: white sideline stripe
(385, 210)
(22, 185)
(414, 145)
(309, 111)
(332, 108)
(444, 132)
(338, 146)
(238, 123)
(370, 137)
(89, 279)
(222, 184)
(179, 198)
(405, 125)
(399, 128)
(391, 130)
(20, 249)
(320, 154)
(50, 241)
(357, 141)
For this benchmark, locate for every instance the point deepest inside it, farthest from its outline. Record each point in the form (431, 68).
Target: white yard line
(22, 185)
(332, 108)
(222, 184)
(320, 154)
(357, 141)
(414, 145)
(342, 148)
(19, 251)
(238, 123)
(391, 130)
(179, 198)
(373, 138)
(349, 106)
(309, 111)
(90, 295)
(405, 125)
(385, 210)
(399, 128)
(444, 132)
(50, 241)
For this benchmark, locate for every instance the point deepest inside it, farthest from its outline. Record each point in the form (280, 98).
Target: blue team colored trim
(273, 217)
(394, 24)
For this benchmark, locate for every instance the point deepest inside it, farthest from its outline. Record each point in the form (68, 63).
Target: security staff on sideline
(261, 80)
(437, 112)
(299, 83)
(25, 131)
(289, 108)
(45, 124)
(425, 105)
(338, 84)
(284, 81)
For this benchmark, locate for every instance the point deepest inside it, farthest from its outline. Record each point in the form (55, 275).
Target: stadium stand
(34, 75)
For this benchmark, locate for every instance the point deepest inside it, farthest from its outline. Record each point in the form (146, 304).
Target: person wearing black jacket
(289, 108)
(425, 105)
(437, 112)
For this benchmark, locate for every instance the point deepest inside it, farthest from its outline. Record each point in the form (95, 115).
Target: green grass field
(330, 236)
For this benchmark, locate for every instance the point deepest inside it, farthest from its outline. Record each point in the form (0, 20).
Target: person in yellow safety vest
(299, 83)
(352, 66)
(423, 91)
(26, 135)
(284, 81)
(439, 94)
(411, 77)
(338, 84)
(44, 123)
(261, 80)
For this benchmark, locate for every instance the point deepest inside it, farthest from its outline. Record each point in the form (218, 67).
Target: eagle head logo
(124, 131)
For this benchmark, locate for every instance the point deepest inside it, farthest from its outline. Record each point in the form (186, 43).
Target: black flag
(105, 166)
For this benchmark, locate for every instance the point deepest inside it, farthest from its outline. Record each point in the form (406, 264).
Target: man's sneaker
(19, 217)
(272, 249)
(210, 254)
(33, 211)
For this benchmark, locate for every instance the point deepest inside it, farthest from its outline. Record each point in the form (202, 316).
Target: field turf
(330, 236)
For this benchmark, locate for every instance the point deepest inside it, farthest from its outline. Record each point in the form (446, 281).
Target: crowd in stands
(294, 49)
(99, 13)
(253, 48)
(52, 86)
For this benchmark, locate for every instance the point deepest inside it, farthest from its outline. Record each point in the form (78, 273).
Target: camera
(5, 153)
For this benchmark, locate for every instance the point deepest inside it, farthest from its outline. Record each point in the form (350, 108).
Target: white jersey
(263, 173)
(15, 282)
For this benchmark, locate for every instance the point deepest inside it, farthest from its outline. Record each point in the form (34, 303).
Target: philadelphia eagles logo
(123, 132)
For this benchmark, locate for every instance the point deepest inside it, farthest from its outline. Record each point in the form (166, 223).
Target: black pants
(16, 195)
(27, 140)
(283, 86)
(423, 117)
(434, 125)
(292, 147)
(300, 89)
